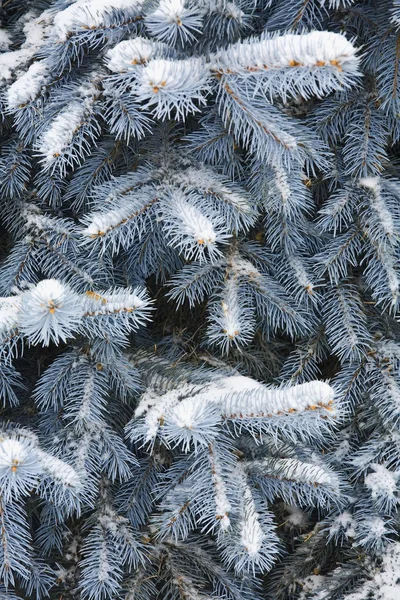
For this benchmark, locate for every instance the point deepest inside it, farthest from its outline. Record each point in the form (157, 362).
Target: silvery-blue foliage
(199, 280)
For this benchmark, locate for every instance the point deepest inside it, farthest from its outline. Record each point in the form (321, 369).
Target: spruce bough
(199, 280)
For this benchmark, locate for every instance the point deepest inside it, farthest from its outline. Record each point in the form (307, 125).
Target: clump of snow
(156, 408)
(36, 29)
(235, 397)
(343, 524)
(300, 273)
(62, 130)
(251, 534)
(19, 467)
(317, 48)
(190, 230)
(28, 86)
(173, 18)
(312, 395)
(374, 530)
(65, 125)
(5, 40)
(59, 471)
(125, 300)
(282, 183)
(50, 311)
(294, 470)
(296, 517)
(171, 11)
(127, 55)
(385, 581)
(310, 584)
(173, 85)
(9, 313)
(222, 504)
(382, 482)
(231, 321)
(378, 204)
(88, 14)
(204, 180)
(342, 450)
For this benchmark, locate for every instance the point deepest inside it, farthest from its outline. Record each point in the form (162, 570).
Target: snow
(163, 75)
(170, 11)
(125, 210)
(190, 230)
(235, 397)
(222, 504)
(35, 28)
(343, 523)
(314, 49)
(173, 85)
(88, 13)
(9, 313)
(61, 132)
(378, 205)
(28, 86)
(310, 584)
(282, 183)
(204, 180)
(297, 517)
(231, 323)
(243, 267)
(251, 535)
(385, 582)
(84, 412)
(50, 311)
(5, 40)
(62, 129)
(382, 482)
(19, 467)
(264, 402)
(232, 11)
(300, 273)
(229, 10)
(105, 303)
(375, 530)
(10, 61)
(59, 471)
(13, 454)
(293, 469)
(240, 383)
(342, 450)
(127, 55)
(155, 416)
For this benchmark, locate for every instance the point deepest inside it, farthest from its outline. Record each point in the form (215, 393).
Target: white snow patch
(36, 29)
(28, 86)
(343, 523)
(58, 137)
(5, 40)
(88, 13)
(222, 504)
(9, 313)
(382, 482)
(252, 535)
(297, 517)
(385, 582)
(127, 55)
(317, 48)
